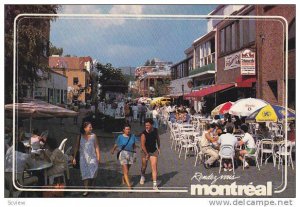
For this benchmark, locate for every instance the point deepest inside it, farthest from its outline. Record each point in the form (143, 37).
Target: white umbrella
(245, 107)
(38, 109)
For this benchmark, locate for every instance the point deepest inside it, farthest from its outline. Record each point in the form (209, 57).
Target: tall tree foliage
(112, 79)
(32, 45)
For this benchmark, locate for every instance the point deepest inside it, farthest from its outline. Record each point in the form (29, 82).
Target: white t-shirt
(248, 140)
(134, 108)
(227, 139)
(154, 114)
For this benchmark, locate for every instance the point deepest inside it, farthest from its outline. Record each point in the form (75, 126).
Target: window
(75, 81)
(241, 33)
(252, 27)
(227, 39)
(246, 32)
(233, 36)
(222, 41)
(238, 34)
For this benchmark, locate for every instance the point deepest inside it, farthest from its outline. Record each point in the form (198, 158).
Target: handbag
(77, 157)
(123, 147)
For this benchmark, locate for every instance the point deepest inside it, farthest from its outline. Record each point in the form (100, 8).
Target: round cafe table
(41, 166)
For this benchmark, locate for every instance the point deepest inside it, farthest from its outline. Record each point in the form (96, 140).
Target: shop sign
(247, 62)
(232, 61)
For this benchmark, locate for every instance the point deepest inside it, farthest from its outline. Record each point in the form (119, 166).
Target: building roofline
(216, 10)
(53, 71)
(196, 41)
(188, 58)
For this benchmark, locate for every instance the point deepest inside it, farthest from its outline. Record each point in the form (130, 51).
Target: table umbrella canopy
(272, 113)
(222, 108)
(39, 109)
(245, 107)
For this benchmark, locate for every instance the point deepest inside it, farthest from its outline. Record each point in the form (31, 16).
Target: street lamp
(182, 88)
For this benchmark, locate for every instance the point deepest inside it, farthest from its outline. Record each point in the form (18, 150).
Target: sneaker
(246, 165)
(225, 169)
(142, 180)
(155, 187)
(230, 169)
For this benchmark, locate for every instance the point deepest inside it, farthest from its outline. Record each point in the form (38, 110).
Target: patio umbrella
(222, 108)
(272, 113)
(38, 109)
(245, 107)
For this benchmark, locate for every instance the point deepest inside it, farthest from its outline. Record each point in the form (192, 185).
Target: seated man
(227, 139)
(249, 143)
(206, 146)
(37, 140)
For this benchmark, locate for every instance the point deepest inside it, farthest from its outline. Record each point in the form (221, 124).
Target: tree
(162, 87)
(32, 47)
(112, 79)
(56, 50)
(152, 63)
(147, 63)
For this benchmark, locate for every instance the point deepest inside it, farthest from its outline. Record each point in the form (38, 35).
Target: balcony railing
(209, 67)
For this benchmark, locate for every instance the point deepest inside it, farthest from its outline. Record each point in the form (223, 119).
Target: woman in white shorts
(126, 145)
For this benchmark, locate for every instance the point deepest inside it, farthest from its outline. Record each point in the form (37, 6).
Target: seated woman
(249, 143)
(55, 155)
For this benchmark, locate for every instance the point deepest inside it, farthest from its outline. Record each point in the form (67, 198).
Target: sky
(128, 42)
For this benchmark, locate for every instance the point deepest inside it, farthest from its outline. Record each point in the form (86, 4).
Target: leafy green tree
(32, 46)
(147, 63)
(152, 63)
(111, 79)
(161, 87)
(56, 50)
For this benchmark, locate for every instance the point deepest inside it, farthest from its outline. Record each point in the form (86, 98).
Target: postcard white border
(129, 16)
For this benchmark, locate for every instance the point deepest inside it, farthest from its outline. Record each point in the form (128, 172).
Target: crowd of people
(219, 132)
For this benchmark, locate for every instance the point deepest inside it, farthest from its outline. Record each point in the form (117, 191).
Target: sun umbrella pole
(30, 124)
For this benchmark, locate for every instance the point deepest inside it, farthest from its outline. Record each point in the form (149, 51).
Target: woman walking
(88, 146)
(150, 144)
(126, 144)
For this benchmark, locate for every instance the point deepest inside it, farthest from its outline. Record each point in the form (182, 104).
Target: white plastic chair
(201, 155)
(226, 152)
(285, 151)
(267, 147)
(255, 155)
(62, 145)
(187, 143)
(52, 177)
